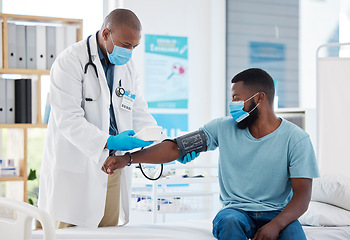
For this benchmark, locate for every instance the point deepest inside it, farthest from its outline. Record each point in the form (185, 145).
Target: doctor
(97, 104)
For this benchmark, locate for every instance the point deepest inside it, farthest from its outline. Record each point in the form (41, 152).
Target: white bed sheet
(186, 231)
(189, 230)
(327, 233)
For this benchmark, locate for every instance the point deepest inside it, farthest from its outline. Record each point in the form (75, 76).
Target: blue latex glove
(188, 158)
(125, 141)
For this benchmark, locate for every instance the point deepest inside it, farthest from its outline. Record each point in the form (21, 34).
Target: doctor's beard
(253, 116)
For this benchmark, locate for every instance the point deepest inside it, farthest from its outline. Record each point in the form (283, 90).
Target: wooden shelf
(6, 179)
(23, 20)
(24, 71)
(22, 125)
(28, 18)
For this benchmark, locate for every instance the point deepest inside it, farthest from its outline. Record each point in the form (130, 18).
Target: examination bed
(188, 230)
(327, 218)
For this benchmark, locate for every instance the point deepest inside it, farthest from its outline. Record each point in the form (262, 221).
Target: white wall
(203, 22)
(344, 26)
(88, 10)
(318, 21)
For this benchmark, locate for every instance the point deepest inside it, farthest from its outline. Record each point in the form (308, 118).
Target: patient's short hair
(257, 80)
(120, 17)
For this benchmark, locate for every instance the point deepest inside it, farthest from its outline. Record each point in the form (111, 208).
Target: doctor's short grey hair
(119, 17)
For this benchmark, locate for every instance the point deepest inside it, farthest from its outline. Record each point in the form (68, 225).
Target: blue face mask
(236, 109)
(119, 55)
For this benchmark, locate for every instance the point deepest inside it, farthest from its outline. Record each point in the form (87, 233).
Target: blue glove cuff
(109, 142)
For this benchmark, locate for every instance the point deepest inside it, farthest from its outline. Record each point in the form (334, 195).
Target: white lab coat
(72, 184)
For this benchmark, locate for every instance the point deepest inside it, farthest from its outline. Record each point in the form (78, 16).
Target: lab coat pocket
(68, 157)
(91, 88)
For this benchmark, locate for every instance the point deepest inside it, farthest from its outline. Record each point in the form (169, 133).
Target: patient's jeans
(235, 224)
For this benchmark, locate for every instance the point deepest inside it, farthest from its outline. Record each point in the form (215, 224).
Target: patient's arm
(164, 152)
(302, 188)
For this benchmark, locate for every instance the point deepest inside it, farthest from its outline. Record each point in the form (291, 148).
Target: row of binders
(15, 100)
(36, 47)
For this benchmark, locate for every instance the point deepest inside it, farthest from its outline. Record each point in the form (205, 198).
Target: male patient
(266, 164)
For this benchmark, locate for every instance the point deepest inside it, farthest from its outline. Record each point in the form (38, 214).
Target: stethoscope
(119, 91)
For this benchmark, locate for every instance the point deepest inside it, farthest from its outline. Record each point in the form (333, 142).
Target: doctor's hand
(115, 162)
(125, 141)
(188, 158)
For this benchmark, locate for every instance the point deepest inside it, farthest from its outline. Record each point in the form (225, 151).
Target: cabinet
(29, 73)
(175, 194)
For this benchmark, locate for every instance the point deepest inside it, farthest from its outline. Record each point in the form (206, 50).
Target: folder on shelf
(34, 93)
(60, 36)
(20, 46)
(50, 46)
(40, 47)
(11, 37)
(10, 101)
(70, 35)
(23, 101)
(28, 100)
(2, 100)
(1, 64)
(30, 47)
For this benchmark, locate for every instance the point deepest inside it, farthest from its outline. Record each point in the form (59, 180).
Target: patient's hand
(115, 162)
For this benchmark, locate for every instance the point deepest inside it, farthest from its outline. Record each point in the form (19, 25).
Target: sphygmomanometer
(194, 141)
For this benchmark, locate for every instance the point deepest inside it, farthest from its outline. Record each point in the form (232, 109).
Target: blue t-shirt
(255, 174)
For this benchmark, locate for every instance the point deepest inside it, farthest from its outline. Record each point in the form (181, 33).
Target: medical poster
(173, 124)
(166, 72)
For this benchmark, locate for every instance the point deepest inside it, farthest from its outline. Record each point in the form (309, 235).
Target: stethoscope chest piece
(119, 91)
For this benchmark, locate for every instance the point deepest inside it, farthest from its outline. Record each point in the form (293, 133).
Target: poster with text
(166, 71)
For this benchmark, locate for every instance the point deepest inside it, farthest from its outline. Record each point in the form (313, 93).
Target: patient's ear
(261, 97)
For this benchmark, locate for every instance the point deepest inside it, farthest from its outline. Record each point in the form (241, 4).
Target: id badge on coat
(128, 101)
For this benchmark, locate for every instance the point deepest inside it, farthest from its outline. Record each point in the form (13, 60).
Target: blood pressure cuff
(194, 141)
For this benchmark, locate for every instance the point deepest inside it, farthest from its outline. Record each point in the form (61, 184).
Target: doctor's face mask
(119, 55)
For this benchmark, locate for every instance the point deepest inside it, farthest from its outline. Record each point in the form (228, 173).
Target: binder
(10, 101)
(28, 100)
(2, 100)
(30, 47)
(1, 64)
(23, 101)
(50, 46)
(34, 100)
(60, 42)
(11, 37)
(40, 47)
(20, 46)
(70, 35)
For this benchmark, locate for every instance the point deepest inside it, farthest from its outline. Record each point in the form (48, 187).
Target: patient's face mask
(236, 109)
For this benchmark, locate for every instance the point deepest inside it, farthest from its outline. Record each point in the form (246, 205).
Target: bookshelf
(36, 73)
